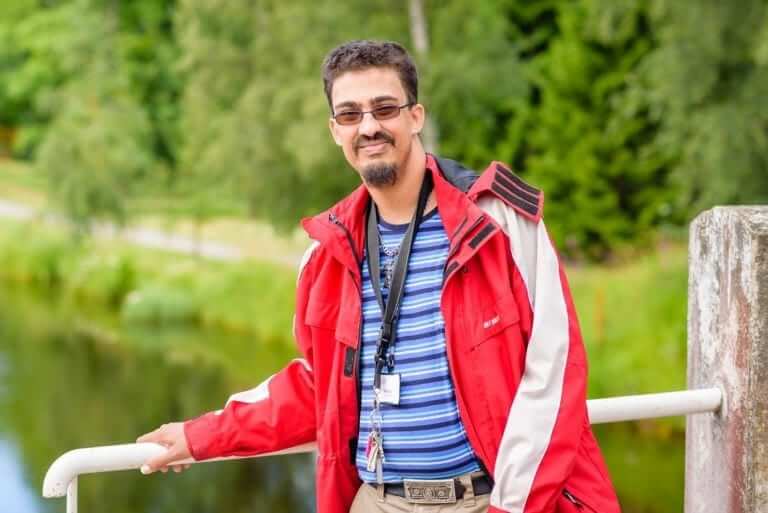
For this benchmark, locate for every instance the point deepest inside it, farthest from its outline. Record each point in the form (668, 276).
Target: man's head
(364, 76)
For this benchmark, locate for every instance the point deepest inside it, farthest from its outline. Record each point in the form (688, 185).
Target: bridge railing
(726, 404)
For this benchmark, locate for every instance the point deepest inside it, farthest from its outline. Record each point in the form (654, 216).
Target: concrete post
(727, 452)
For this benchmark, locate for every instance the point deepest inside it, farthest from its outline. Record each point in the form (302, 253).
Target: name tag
(389, 393)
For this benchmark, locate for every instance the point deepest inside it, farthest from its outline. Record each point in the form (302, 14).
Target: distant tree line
(629, 114)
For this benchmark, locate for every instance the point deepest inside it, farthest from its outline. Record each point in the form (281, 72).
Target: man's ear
(418, 116)
(333, 127)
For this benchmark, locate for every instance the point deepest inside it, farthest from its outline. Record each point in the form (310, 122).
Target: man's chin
(379, 173)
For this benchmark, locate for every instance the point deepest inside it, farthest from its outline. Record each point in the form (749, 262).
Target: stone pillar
(726, 467)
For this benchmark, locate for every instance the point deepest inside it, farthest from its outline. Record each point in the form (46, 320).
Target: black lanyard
(389, 311)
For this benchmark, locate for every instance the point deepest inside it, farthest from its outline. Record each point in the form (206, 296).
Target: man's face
(377, 149)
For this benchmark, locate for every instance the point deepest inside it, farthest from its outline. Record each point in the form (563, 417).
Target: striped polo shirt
(424, 437)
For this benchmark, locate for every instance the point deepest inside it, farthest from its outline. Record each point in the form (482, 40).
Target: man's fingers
(171, 436)
(160, 461)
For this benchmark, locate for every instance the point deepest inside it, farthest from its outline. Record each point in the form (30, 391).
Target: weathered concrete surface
(727, 452)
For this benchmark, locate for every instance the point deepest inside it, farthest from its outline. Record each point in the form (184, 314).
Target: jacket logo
(491, 322)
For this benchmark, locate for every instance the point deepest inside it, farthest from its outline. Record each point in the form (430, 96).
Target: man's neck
(397, 203)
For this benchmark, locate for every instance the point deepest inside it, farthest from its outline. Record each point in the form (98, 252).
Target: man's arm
(548, 414)
(277, 414)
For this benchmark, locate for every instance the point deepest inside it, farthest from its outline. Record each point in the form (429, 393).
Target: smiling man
(443, 368)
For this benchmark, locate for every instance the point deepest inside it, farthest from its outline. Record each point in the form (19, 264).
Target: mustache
(375, 138)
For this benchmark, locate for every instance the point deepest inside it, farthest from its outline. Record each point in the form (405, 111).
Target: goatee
(380, 174)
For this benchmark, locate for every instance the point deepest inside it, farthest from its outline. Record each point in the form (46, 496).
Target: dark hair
(360, 55)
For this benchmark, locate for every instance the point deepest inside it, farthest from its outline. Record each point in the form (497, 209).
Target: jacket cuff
(200, 434)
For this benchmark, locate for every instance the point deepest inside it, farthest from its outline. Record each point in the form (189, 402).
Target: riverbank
(150, 287)
(632, 315)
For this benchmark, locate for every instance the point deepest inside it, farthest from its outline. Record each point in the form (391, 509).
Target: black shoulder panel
(498, 180)
(461, 177)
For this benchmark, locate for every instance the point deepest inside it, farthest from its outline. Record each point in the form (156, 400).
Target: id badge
(389, 393)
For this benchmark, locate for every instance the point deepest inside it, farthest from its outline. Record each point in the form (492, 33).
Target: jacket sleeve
(277, 414)
(548, 414)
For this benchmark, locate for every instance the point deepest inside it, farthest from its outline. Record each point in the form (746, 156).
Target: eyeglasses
(353, 117)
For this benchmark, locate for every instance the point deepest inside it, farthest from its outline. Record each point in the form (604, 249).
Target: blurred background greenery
(207, 118)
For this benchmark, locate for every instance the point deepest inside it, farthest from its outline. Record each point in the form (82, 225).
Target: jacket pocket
(494, 319)
(322, 315)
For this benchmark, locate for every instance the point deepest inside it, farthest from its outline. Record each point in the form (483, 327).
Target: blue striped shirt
(424, 437)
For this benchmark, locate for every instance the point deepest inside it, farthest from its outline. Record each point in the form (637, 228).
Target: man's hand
(172, 437)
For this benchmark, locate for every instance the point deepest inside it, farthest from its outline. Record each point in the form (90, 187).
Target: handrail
(61, 478)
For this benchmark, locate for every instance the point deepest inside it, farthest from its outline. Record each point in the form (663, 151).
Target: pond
(69, 380)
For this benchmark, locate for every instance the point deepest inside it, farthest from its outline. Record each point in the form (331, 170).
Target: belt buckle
(430, 491)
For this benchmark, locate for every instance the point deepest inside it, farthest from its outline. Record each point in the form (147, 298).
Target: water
(62, 386)
(69, 380)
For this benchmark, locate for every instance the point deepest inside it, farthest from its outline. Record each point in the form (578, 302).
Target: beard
(380, 174)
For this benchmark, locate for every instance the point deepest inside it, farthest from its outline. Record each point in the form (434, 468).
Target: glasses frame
(372, 112)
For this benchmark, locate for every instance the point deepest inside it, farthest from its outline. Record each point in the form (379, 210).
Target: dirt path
(158, 239)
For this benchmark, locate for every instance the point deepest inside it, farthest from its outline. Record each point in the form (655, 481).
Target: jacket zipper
(335, 220)
(576, 502)
(356, 372)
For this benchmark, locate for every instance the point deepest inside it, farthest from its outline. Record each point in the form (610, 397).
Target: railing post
(727, 453)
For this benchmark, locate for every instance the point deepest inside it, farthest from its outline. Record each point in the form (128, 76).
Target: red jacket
(513, 343)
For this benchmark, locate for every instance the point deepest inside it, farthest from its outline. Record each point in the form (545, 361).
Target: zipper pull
(576, 502)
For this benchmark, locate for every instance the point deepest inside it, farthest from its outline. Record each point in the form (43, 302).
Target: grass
(150, 287)
(633, 319)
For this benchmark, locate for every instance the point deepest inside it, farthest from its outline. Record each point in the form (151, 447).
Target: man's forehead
(369, 86)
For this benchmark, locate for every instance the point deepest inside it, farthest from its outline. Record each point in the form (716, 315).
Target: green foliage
(151, 287)
(255, 117)
(575, 140)
(474, 84)
(159, 306)
(630, 115)
(100, 278)
(632, 318)
(93, 174)
(705, 84)
(37, 262)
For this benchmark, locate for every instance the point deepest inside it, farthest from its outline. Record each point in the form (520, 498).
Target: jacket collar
(341, 228)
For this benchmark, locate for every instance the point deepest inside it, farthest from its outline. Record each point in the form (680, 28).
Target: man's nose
(369, 125)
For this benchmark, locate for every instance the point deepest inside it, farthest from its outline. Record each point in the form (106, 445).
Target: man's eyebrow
(346, 104)
(374, 101)
(381, 99)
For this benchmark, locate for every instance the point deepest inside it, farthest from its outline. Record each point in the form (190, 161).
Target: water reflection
(67, 384)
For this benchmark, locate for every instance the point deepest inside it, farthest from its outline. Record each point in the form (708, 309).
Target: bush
(158, 305)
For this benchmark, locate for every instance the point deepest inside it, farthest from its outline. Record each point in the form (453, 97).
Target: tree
(97, 148)
(705, 85)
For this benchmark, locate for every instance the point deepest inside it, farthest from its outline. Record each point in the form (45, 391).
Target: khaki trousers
(371, 499)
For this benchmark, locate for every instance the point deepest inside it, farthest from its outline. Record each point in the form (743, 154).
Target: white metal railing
(61, 478)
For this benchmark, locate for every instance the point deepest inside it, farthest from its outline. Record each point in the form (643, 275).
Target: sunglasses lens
(349, 118)
(386, 112)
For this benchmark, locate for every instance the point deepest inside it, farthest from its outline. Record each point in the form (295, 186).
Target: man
(443, 367)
